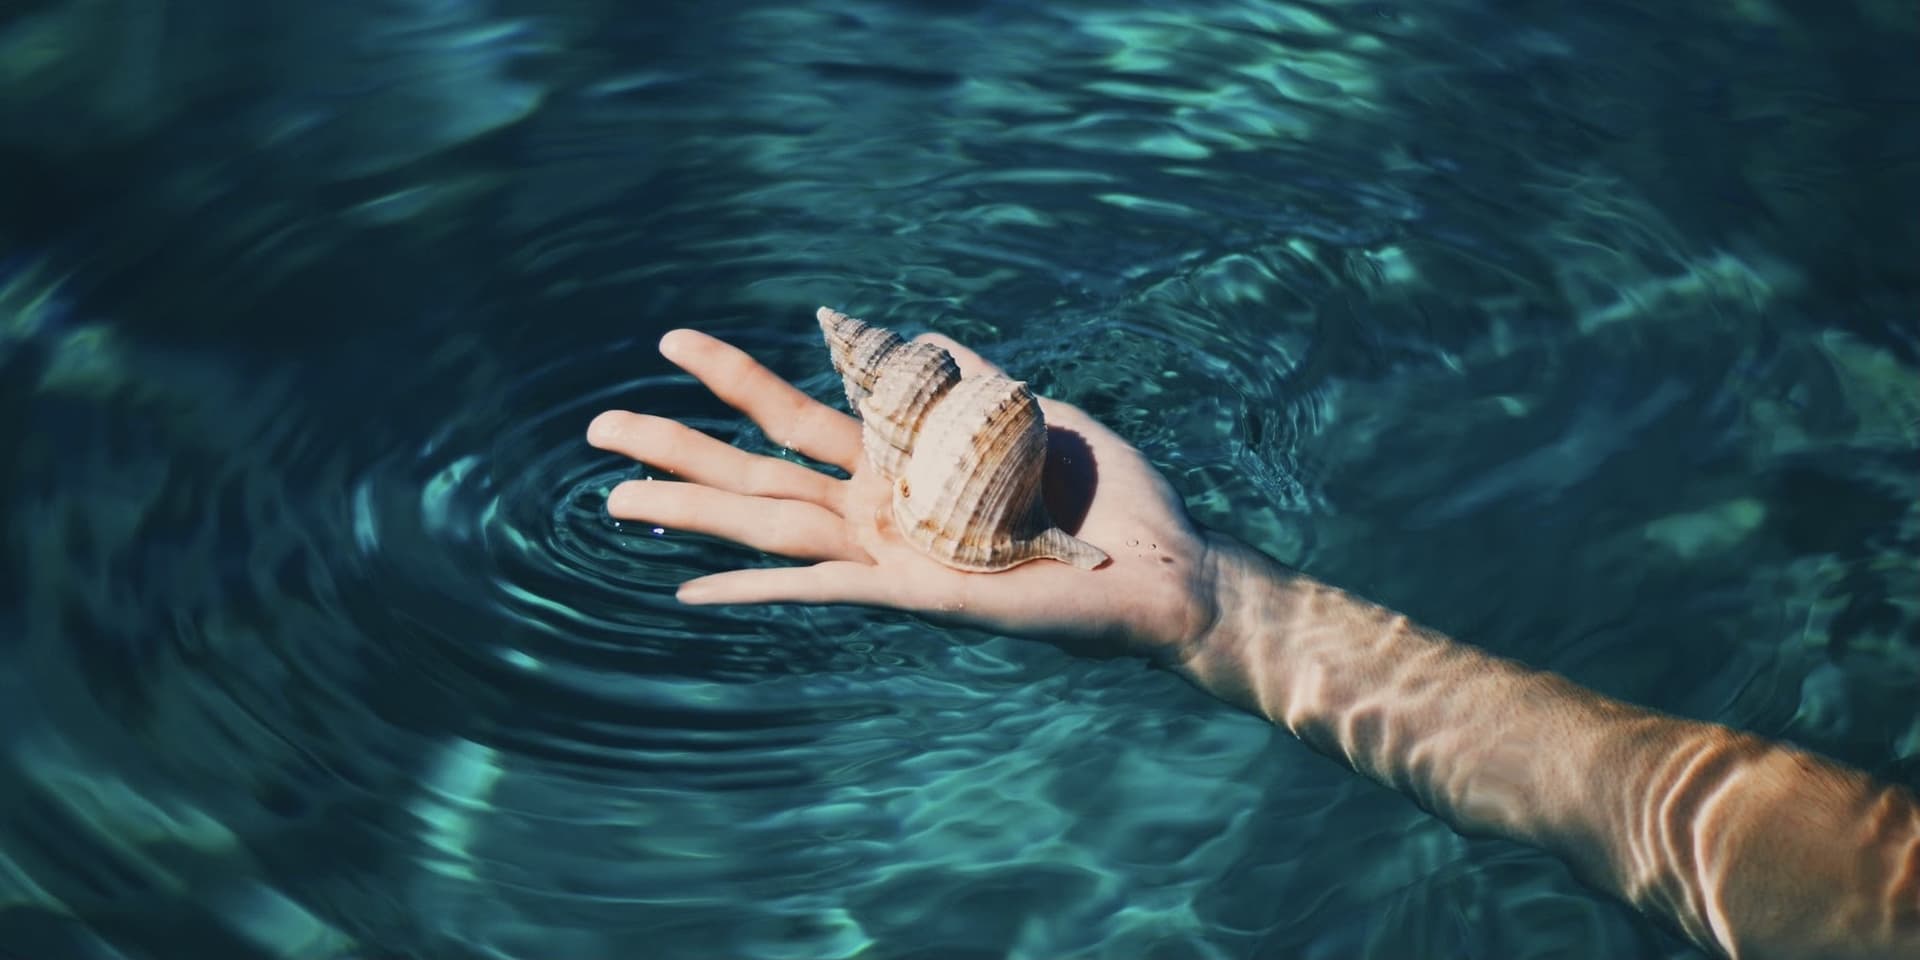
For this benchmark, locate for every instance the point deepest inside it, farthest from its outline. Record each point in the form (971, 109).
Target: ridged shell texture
(964, 456)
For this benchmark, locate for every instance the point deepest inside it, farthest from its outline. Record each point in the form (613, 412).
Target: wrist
(1240, 586)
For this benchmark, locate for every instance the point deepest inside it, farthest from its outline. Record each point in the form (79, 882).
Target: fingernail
(693, 592)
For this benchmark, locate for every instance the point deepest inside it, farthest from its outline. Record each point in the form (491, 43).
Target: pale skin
(1751, 848)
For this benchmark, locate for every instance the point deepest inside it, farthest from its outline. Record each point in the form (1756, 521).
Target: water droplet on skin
(1133, 543)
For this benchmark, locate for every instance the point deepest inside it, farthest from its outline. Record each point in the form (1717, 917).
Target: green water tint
(1590, 352)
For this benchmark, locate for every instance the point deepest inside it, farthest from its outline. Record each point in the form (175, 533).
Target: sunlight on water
(322, 646)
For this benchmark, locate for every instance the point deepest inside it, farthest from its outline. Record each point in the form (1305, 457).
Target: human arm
(1750, 847)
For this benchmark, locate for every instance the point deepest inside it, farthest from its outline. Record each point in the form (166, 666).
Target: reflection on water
(1590, 345)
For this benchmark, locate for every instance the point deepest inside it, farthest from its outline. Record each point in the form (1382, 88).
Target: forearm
(1753, 848)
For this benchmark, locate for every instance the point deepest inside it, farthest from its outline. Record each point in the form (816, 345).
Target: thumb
(971, 364)
(834, 581)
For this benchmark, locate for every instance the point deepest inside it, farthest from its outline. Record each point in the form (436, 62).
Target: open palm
(1154, 597)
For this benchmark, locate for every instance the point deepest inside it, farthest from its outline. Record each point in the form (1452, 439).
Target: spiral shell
(859, 351)
(913, 381)
(964, 456)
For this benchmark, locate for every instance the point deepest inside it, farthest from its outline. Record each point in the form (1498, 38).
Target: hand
(1153, 598)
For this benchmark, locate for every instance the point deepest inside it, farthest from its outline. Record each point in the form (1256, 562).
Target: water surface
(1585, 333)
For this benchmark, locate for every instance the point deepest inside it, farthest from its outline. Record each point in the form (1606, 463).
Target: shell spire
(858, 349)
(916, 377)
(964, 455)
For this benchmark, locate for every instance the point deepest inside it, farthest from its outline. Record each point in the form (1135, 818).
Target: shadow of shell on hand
(964, 455)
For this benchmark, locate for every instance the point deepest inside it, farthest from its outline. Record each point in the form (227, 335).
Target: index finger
(790, 418)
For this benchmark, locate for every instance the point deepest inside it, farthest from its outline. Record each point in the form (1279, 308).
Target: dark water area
(1586, 332)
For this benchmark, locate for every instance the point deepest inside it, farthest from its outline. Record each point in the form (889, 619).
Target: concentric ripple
(318, 642)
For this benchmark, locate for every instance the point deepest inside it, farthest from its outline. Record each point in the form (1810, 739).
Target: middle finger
(695, 457)
(785, 527)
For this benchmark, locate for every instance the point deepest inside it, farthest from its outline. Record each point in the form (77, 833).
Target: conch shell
(964, 455)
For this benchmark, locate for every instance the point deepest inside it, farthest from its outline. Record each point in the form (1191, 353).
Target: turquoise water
(1584, 332)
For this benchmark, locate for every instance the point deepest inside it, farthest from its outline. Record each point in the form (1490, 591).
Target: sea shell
(859, 351)
(911, 382)
(964, 456)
